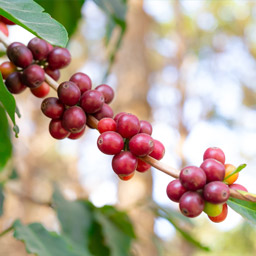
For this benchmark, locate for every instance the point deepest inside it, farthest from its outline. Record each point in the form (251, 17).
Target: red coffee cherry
(118, 115)
(216, 192)
(75, 136)
(142, 166)
(39, 48)
(175, 190)
(33, 76)
(54, 74)
(238, 187)
(14, 83)
(192, 178)
(107, 92)
(106, 124)
(128, 125)
(74, 119)
(191, 204)
(83, 81)
(19, 54)
(6, 68)
(214, 170)
(105, 111)
(41, 91)
(158, 151)
(58, 58)
(92, 101)
(4, 28)
(126, 177)
(124, 163)
(6, 21)
(110, 143)
(222, 216)
(69, 93)
(141, 144)
(56, 130)
(52, 108)
(145, 127)
(215, 153)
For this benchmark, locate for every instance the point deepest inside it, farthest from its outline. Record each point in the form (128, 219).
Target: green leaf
(5, 140)
(1, 198)
(9, 104)
(62, 12)
(30, 16)
(42, 242)
(244, 208)
(238, 169)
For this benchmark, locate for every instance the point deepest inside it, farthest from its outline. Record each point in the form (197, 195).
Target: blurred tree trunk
(132, 72)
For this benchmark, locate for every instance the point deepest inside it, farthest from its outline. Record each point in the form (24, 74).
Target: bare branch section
(93, 122)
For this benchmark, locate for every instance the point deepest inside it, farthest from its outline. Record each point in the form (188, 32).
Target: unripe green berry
(212, 210)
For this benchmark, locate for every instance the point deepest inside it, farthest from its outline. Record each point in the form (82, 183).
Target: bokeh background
(186, 66)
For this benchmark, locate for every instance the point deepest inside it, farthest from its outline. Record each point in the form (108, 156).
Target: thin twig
(6, 231)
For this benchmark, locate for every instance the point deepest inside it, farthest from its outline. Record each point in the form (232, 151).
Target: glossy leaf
(32, 17)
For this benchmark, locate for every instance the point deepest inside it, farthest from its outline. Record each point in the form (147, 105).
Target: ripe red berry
(83, 81)
(19, 54)
(145, 127)
(92, 101)
(238, 187)
(118, 115)
(158, 151)
(191, 204)
(110, 143)
(6, 68)
(39, 48)
(33, 76)
(105, 111)
(216, 192)
(124, 163)
(69, 93)
(52, 108)
(126, 177)
(128, 125)
(142, 166)
(56, 130)
(213, 169)
(4, 28)
(222, 216)
(175, 190)
(58, 58)
(54, 74)
(106, 124)
(192, 178)
(215, 153)
(74, 119)
(6, 21)
(107, 92)
(141, 144)
(75, 136)
(41, 91)
(14, 83)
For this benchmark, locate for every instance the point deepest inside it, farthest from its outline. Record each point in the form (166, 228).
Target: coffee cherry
(75, 136)
(124, 163)
(110, 143)
(4, 28)
(6, 68)
(215, 153)
(50, 47)
(145, 127)
(212, 210)
(105, 111)
(213, 169)
(229, 168)
(14, 83)
(222, 216)
(128, 125)
(216, 192)
(141, 144)
(41, 91)
(56, 130)
(126, 177)
(83, 81)
(107, 92)
(69, 93)
(54, 74)
(74, 119)
(6, 21)
(33, 76)
(142, 166)
(191, 204)
(58, 58)
(92, 101)
(19, 54)
(175, 190)
(52, 108)
(238, 187)
(118, 115)
(39, 48)
(106, 124)
(158, 151)
(192, 178)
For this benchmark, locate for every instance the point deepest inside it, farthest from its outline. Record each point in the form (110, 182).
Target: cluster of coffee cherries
(76, 99)
(129, 140)
(28, 65)
(205, 188)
